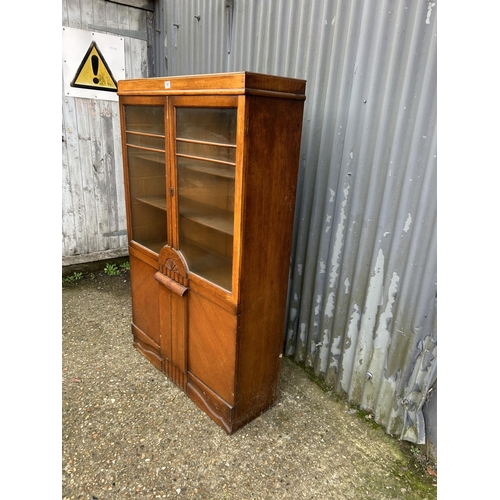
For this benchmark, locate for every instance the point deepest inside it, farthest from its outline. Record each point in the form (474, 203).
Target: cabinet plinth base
(216, 408)
(147, 347)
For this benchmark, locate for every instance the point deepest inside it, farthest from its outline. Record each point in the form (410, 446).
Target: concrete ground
(128, 432)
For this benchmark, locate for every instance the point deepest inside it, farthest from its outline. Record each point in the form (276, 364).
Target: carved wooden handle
(171, 284)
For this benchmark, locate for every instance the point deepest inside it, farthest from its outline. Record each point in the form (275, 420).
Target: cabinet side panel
(272, 151)
(212, 345)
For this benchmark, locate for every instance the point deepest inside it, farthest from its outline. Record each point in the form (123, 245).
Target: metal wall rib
(362, 296)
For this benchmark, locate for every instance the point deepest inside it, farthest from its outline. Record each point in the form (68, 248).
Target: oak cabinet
(210, 166)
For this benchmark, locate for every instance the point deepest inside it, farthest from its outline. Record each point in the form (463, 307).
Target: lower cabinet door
(145, 310)
(211, 357)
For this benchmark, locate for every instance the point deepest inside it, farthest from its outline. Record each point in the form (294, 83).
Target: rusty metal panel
(138, 4)
(363, 286)
(362, 295)
(195, 37)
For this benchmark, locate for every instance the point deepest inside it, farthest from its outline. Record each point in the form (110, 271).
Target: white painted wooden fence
(93, 210)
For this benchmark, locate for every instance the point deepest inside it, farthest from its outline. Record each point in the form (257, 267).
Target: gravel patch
(128, 432)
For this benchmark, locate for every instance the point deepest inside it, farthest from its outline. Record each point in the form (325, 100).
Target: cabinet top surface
(217, 83)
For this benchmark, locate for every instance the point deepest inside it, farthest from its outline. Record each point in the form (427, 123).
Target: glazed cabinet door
(146, 171)
(158, 274)
(204, 149)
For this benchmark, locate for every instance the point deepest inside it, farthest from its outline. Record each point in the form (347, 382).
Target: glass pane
(206, 191)
(148, 119)
(147, 176)
(146, 141)
(207, 124)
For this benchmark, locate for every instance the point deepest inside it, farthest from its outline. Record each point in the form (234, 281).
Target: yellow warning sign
(94, 73)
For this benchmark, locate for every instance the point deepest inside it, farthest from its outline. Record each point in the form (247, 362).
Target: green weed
(73, 278)
(111, 269)
(125, 266)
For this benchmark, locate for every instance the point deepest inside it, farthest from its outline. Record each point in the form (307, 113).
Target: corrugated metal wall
(93, 201)
(362, 305)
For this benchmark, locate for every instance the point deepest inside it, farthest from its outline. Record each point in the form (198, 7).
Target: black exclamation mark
(95, 68)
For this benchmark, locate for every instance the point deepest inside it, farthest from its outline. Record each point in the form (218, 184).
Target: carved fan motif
(171, 265)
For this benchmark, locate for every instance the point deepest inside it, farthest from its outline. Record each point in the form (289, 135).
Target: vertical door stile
(173, 285)
(172, 275)
(165, 299)
(238, 196)
(171, 175)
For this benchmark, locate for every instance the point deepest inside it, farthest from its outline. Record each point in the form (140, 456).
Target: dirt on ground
(128, 432)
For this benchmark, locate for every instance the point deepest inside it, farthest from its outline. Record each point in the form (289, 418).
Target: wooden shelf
(227, 173)
(206, 215)
(140, 132)
(152, 245)
(206, 143)
(155, 246)
(153, 156)
(213, 152)
(155, 201)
